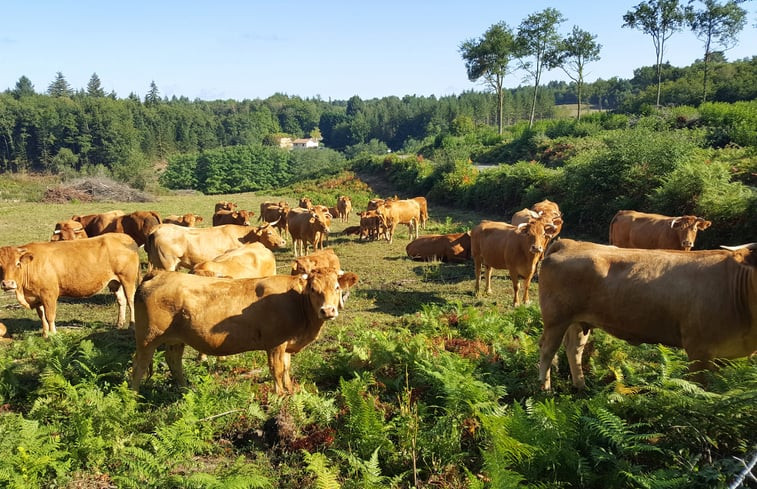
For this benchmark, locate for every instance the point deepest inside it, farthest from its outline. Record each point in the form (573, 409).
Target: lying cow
(702, 301)
(632, 229)
(224, 205)
(280, 314)
(39, 273)
(514, 248)
(454, 247)
(251, 260)
(241, 217)
(187, 220)
(68, 230)
(171, 246)
(319, 259)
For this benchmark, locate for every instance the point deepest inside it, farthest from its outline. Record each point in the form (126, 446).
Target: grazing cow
(514, 248)
(187, 220)
(276, 214)
(343, 207)
(319, 259)
(171, 246)
(631, 229)
(39, 273)
(280, 314)
(702, 301)
(250, 260)
(96, 224)
(224, 205)
(305, 227)
(240, 217)
(424, 210)
(454, 247)
(400, 212)
(305, 203)
(68, 230)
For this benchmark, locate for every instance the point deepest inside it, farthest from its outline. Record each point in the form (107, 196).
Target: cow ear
(348, 280)
(702, 225)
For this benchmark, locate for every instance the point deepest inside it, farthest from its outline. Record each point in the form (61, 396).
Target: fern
(317, 464)
(364, 421)
(365, 474)
(32, 453)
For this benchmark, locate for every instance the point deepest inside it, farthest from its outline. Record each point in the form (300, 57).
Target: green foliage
(730, 123)
(318, 465)
(32, 453)
(364, 421)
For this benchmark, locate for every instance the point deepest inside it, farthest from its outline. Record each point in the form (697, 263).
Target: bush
(730, 123)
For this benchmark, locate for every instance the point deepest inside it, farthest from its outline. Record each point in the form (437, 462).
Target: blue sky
(331, 49)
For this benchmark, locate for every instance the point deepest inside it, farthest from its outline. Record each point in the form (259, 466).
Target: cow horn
(274, 222)
(57, 231)
(748, 246)
(522, 225)
(674, 221)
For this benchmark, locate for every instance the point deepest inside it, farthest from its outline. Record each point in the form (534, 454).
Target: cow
(41, 272)
(632, 229)
(275, 214)
(241, 217)
(224, 205)
(397, 212)
(171, 246)
(68, 230)
(352, 230)
(322, 236)
(319, 259)
(372, 225)
(545, 210)
(455, 247)
(96, 224)
(280, 314)
(250, 260)
(702, 301)
(305, 203)
(187, 220)
(305, 227)
(343, 207)
(424, 210)
(374, 204)
(514, 248)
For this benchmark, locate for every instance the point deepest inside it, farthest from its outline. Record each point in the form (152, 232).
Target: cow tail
(612, 225)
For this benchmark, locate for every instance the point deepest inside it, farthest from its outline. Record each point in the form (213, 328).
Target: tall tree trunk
(578, 115)
(533, 106)
(500, 108)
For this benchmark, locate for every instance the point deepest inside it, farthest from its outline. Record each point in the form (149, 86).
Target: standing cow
(39, 273)
(514, 248)
(395, 212)
(702, 301)
(306, 227)
(280, 314)
(344, 207)
(632, 229)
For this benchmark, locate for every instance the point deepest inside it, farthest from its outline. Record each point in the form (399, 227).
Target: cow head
(225, 206)
(306, 203)
(12, 270)
(537, 233)
(326, 290)
(243, 216)
(267, 235)
(68, 230)
(686, 228)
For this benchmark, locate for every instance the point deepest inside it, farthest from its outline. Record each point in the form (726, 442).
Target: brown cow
(241, 217)
(305, 227)
(224, 205)
(250, 260)
(343, 207)
(171, 246)
(397, 212)
(323, 236)
(374, 204)
(372, 225)
(514, 248)
(39, 273)
(546, 210)
(631, 229)
(702, 301)
(424, 210)
(280, 314)
(276, 214)
(319, 259)
(187, 220)
(305, 203)
(96, 224)
(68, 230)
(454, 247)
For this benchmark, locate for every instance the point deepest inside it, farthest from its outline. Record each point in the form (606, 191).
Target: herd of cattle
(645, 287)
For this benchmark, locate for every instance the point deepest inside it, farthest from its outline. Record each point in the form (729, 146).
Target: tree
(94, 88)
(719, 25)
(59, 87)
(538, 38)
(660, 19)
(23, 88)
(579, 48)
(153, 96)
(489, 58)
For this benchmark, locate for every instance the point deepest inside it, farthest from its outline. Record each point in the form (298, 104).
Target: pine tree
(23, 88)
(59, 87)
(153, 96)
(94, 88)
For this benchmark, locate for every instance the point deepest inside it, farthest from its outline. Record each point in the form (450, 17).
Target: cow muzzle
(687, 245)
(536, 249)
(329, 312)
(9, 285)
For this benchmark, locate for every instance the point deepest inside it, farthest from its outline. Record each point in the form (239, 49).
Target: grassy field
(418, 383)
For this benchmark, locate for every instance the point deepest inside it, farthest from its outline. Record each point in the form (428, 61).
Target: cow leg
(477, 271)
(118, 291)
(46, 312)
(516, 287)
(278, 363)
(526, 285)
(142, 363)
(548, 346)
(488, 273)
(45, 325)
(575, 340)
(174, 354)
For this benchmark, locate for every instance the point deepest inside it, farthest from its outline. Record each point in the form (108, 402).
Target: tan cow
(68, 230)
(455, 247)
(250, 260)
(39, 273)
(280, 314)
(397, 212)
(545, 210)
(171, 246)
(305, 203)
(632, 229)
(187, 220)
(702, 301)
(96, 224)
(224, 205)
(424, 210)
(374, 204)
(372, 225)
(319, 259)
(322, 236)
(514, 248)
(344, 207)
(305, 227)
(241, 217)
(276, 214)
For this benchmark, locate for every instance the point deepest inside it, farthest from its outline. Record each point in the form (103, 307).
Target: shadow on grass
(22, 325)
(438, 272)
(400, 302)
